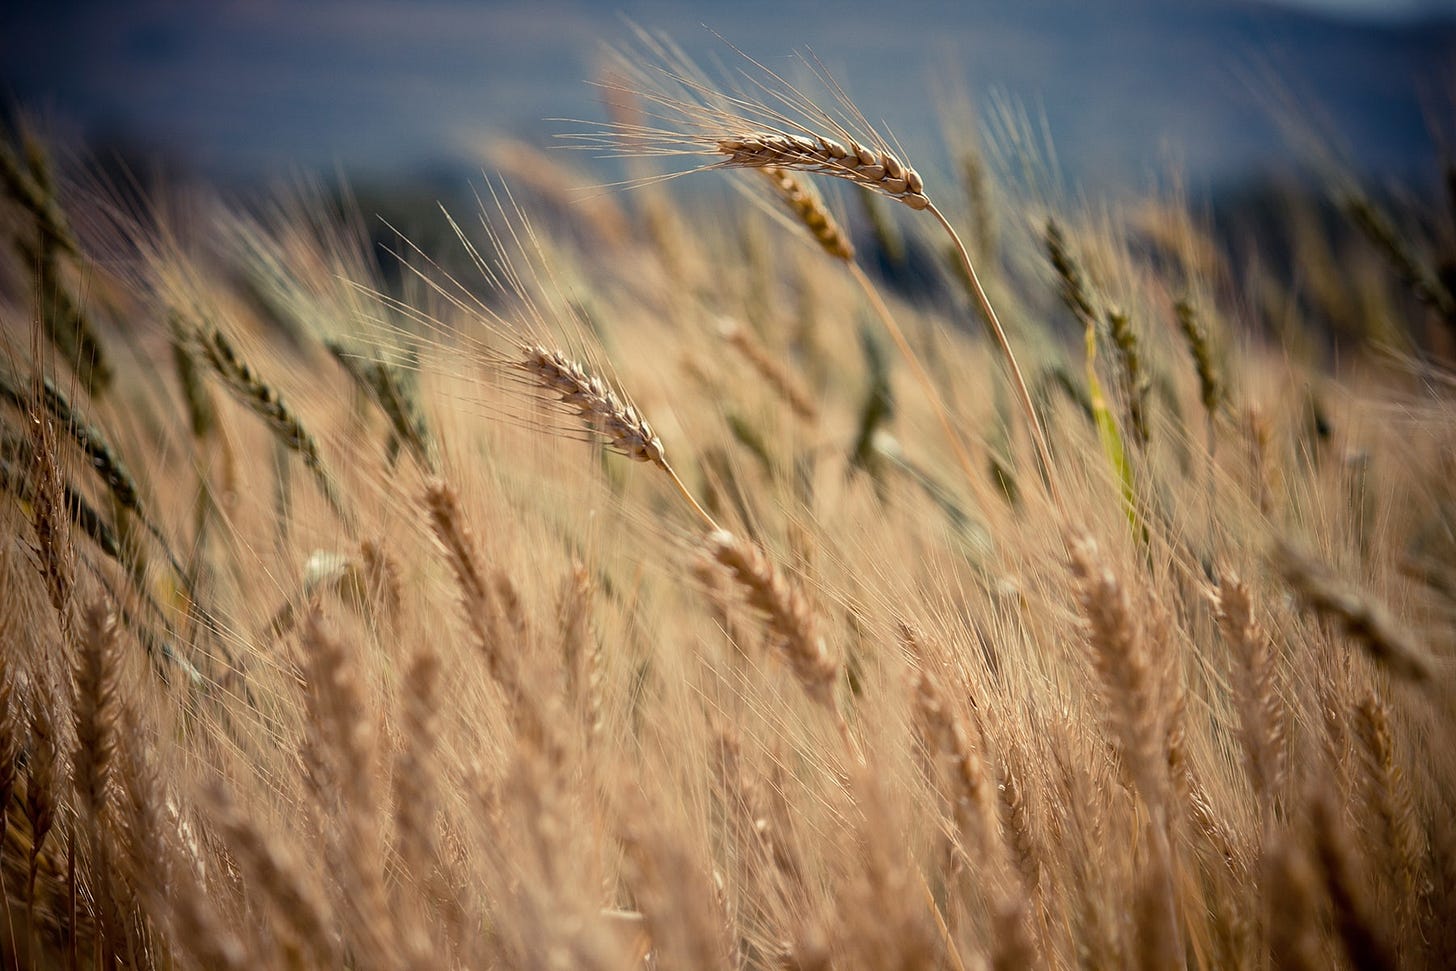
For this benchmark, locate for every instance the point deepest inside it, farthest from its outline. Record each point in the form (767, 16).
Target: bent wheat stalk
(882, 172)
(746, 131)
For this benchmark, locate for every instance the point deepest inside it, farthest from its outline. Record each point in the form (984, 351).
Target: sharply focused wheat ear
(603, 412)
(878, 171)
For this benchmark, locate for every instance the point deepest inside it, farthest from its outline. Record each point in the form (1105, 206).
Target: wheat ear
(1077, 296)
(1125, 667)
(1390, 798)
(1261, 717)
(264, 401)
(1210, 391)
(771, 369)
(878, 171)
(947, 734)
(272, 870)
(94, 704)
(789, 617)
(12, 728)
(812, 212)
(835, 242)
(603, 412)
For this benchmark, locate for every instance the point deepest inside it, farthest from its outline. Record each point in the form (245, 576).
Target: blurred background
(247, 91)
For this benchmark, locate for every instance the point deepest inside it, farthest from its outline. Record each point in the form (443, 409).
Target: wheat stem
(921, 375)
(1038, 436)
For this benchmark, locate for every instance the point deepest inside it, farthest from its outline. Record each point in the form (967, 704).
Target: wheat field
(649, 580)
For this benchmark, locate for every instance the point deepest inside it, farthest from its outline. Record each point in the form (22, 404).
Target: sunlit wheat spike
(600, 409)
(603, 412)
(879, 171)
(772, 123)
(812, 212)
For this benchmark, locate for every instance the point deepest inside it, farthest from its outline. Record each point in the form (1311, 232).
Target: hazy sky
(242, 87)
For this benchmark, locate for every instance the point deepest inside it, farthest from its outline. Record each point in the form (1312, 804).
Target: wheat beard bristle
(880, 171)
(601, 409)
